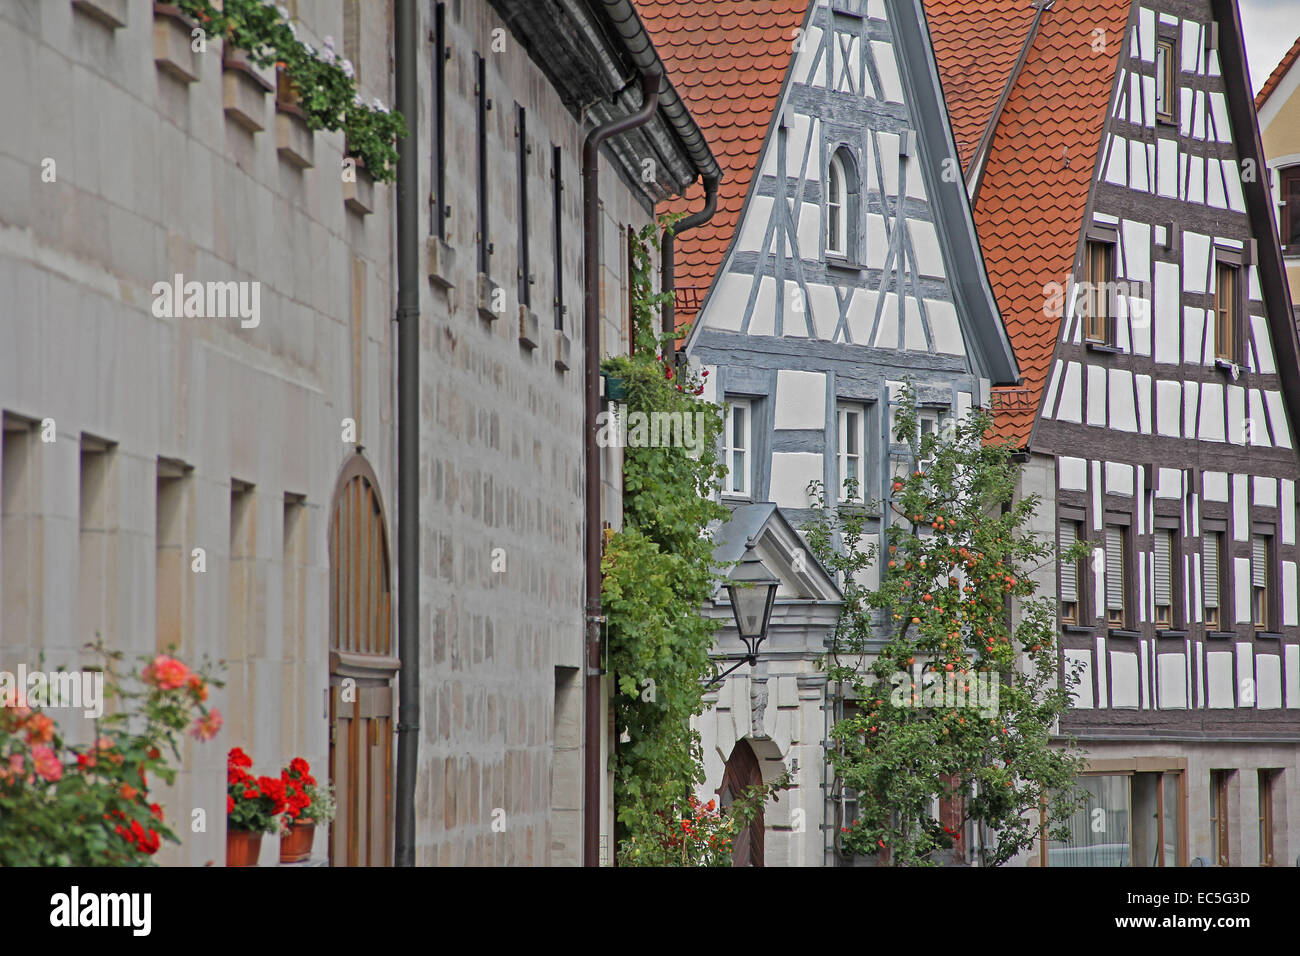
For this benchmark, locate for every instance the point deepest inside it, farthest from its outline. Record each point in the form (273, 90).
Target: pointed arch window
(842, 205)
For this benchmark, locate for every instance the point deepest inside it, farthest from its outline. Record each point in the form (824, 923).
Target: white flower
(293, 30)
(311, 50)
(378, 104)
(327, 55)
(346, 65)
(281, 9)
(357, 100)
(329, 44)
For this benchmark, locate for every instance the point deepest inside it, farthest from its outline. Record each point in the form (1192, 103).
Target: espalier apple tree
(951, 709)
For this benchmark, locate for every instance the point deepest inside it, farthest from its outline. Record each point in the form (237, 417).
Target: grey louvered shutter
(1210, 556)
(1259, 562)
(1163, 546)
(1114, 569)
(1069, 566)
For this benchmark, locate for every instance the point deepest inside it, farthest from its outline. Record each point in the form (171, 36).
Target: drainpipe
(592, 715)
(667, 266)
(408, 436)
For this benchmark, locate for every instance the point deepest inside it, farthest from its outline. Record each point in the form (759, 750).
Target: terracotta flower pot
(242, 847)
(295, 846)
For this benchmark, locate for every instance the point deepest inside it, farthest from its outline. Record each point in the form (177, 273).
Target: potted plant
(308, 803)
(253, 808)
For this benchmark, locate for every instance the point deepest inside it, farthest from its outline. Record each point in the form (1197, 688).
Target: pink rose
(167, 673)
(47, 764)
(207, 727)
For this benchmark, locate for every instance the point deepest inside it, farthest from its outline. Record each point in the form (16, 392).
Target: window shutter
(1259, 562)
(1162, 549)
(1210, 554)
(1069, 567)
(1114, 569)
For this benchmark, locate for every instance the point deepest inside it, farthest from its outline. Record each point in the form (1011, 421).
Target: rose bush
(68, 805)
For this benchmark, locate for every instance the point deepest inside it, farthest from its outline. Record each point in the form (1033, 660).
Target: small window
(557, 240)
(484, 104)
(1289, 220)
(1162, 549)
(1227, 308)
(852, 477)
(1100, 268)
(1070, 532)
(1267, 792)
(1219, 815)
(1211, 577)
(1116, 578)
(929, 423)
(1261, 579)
(737, 448)
(523, 273)
(1166, 72)
(842, 205)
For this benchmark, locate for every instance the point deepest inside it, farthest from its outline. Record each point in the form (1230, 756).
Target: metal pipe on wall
(668, 250)
(650, 83)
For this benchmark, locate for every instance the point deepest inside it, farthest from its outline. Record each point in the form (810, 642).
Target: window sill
(836, 261)
(490, 295)
(1078, 628)
(440, 263)
(1104, 348)
(1220, 635)
(1123, 632)
(1172, 633)
(1268, 636)
(1228, 368)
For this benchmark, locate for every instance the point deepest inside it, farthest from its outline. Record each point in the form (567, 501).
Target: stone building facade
(169, 481)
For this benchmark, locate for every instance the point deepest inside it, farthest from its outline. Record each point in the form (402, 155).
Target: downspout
(667, 264)
(592, 713)
(408, 437)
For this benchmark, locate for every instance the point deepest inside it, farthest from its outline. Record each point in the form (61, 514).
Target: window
(557, 212)
(1166, 72)
(1126, 819)
(1267, 781)
(1116, 578)
(522, 151)
(1162, 552)
(1289, 220)
(1070, 577)
(736, 448)
(1211, 576)
(1099, 269)
(438, 200)
(852, 477)
(1261, 579)
(842, 205)
(484, 104)
(929, 423)
(1219, 816)
(1226, 311)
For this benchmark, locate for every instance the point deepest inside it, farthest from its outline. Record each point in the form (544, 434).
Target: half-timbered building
(841, 262)
(1114, 161)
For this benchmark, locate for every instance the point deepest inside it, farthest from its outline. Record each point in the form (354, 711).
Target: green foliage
(89, 806)
(957, 550)
(658, 573)
(326, 87)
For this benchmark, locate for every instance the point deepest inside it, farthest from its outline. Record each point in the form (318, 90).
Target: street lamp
(752, 591)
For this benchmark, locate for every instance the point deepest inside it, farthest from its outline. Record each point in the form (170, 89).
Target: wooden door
(742, 772)
(362, 668)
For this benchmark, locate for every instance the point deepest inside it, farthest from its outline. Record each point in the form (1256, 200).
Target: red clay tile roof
(1035, 188)
(976, 45)
(728, 61)
(1279, 71)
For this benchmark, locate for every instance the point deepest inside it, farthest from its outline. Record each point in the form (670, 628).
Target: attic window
(841, 204)
(1289, 221)
(1166, 73)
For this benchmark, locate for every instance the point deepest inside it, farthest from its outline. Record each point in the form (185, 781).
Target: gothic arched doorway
(742, 772)
(362, 667)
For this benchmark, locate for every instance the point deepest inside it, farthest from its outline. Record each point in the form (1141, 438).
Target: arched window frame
(842, 205)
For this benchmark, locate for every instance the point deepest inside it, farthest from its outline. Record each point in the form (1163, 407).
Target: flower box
(358, 187)
(440, 261)
(172, 39)
(111, 13)
(489, 294)
(529, 328)
(563, 348)
(244, 87)
(294, 139)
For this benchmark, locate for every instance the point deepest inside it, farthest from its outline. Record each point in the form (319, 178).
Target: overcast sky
(1271, 26)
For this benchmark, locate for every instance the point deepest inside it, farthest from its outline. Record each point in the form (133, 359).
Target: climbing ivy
(658, 574)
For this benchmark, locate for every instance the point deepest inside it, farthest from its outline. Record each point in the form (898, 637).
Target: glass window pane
(1099, 827)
